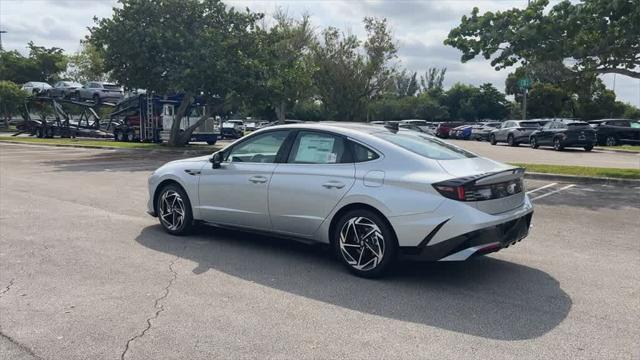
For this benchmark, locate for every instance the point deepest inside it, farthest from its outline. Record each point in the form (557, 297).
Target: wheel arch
(356, 206)
(160, 186)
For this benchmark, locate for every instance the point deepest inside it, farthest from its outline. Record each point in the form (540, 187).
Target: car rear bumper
(474, 243)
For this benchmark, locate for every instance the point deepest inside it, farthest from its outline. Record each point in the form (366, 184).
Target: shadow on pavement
(486, 297)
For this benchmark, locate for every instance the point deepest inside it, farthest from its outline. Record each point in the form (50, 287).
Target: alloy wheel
(172, 210)
(362, 244)
(611, 141)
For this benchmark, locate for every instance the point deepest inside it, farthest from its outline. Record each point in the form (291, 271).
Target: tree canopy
(42, 64)
(599, 36)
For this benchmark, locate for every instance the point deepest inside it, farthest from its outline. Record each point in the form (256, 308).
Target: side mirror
(216, 160)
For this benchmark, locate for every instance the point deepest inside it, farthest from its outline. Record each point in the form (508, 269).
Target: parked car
(251, 125)
(482, 132)
(100, 92)
(564, 133)
(63, 89)
(612, 132)
(514, 132)
(461, 132)
(233, 129)
(410, 126)
(323, 183)
(443, 128)
(35, 87)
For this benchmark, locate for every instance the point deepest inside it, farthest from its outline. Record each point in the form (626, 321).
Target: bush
(11, 100)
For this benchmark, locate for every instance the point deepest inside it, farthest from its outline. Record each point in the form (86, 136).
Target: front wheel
(492, 139)
(365, 243)
(611, 141)
(588, 148)
(557, 144)
(534, 143)
(511, 141)
(174, 210)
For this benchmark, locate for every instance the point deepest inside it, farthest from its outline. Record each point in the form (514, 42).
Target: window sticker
(316, 149)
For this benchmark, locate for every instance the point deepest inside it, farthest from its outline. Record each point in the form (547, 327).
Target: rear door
(303, 191)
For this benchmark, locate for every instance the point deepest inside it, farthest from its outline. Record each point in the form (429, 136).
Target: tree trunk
(281, 112)
(175, 138)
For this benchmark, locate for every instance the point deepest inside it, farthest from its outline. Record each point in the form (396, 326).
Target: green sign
(524, 83)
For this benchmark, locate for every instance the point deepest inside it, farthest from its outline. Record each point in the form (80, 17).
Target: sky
(419, 27)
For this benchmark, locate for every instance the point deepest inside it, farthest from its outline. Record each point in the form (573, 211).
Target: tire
(588, 148)
(380, 247)
(118, 135)
(492, 139)
(76, 95)
(211, 142)
(174, 210)
(557, 144)
(611, 141)
(534, 143)
(511, 141)
(96, 99)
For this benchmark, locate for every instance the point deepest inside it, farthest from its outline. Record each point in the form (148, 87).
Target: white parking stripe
(541, 187)
(553, 192)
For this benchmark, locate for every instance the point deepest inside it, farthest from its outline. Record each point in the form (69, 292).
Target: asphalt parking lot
(86, 274)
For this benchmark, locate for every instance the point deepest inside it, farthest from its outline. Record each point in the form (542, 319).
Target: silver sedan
(374, 193)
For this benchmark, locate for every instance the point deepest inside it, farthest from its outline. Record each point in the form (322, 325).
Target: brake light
(472, 192)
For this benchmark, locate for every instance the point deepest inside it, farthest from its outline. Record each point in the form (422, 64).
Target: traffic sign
(524, 83)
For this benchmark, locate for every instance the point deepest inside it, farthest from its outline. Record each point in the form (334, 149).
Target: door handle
(333, 185)
(258, 179)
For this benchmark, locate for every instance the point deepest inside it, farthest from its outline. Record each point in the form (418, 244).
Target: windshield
(529, 125)
(426, 146)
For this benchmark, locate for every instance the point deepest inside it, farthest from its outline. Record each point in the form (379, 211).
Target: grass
(624, 147)
(98, 143)
(582, 171)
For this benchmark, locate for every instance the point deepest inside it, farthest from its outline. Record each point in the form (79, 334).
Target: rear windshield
(426, 146)
(529, 124)
(111, 87)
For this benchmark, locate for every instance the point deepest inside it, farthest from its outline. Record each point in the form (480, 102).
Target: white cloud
(419, 26)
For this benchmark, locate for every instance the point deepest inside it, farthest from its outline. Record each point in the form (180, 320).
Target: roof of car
(338, 126)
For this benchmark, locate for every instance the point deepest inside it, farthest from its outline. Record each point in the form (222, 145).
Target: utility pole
(2, 32)
(524, 105)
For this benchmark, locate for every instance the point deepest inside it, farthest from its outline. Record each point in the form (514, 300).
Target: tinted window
(111, 87)
(362, 153)
(261, 148)
(317, 148)
(529, 125)
(426, 146)
(635, 125)
(577, 125)
(549, 125)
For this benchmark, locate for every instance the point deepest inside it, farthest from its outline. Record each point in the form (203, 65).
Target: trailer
(46, 117)
(149, 118)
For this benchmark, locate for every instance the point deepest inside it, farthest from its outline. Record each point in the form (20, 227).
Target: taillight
(470, 191)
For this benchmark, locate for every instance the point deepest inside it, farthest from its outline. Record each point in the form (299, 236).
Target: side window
(508, 124)
(362, 153)
(262, 148)
(317, 148)
(548, 126)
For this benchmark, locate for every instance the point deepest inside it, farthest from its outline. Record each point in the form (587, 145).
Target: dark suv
(612, 132)
(514, 132)
(564, 133)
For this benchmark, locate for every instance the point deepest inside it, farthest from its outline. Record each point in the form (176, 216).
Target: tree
(406, 84)
(491, 103)
(87, 64)
(601, 36)
(349, 76)
(286, 57)
(548, 101)
(198, 48)
(11, 100)
(432, 79)
(459, 101)
(42, 64)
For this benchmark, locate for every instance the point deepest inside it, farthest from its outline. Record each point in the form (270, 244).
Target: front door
(303, 191)
(236, 193)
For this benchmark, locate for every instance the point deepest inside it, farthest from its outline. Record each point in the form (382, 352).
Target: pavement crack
(156, 305)
(6, 289)
(22, 347)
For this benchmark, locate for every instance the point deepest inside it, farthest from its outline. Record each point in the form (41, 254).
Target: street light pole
(524, 105)
(2, 32)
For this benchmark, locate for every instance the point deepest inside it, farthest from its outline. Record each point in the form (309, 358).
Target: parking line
(553, 192)
(541, 187)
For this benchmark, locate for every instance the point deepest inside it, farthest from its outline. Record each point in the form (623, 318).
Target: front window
(426, 146)
(261, 148)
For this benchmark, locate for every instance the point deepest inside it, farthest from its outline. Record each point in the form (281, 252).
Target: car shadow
(486, 297)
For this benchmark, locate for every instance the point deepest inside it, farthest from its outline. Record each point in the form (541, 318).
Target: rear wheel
(557, 144)
(96, 99)
(174, 210)
(492, 139)
(611, 141)
(365, 243)
(588, 148)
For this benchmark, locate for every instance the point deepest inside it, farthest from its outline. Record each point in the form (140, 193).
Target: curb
(623, 151)
(582, 179)
(185, 151)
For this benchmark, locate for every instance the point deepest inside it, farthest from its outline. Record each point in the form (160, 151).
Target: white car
(36, 87)
(374, 193)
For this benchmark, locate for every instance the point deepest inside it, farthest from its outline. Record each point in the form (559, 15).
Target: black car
(564, 133)
(515, 132)
(612, 132)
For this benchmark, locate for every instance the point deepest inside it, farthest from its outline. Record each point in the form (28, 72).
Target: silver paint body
(299, 200)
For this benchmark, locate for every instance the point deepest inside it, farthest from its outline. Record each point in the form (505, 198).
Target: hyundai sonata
(374, 193)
